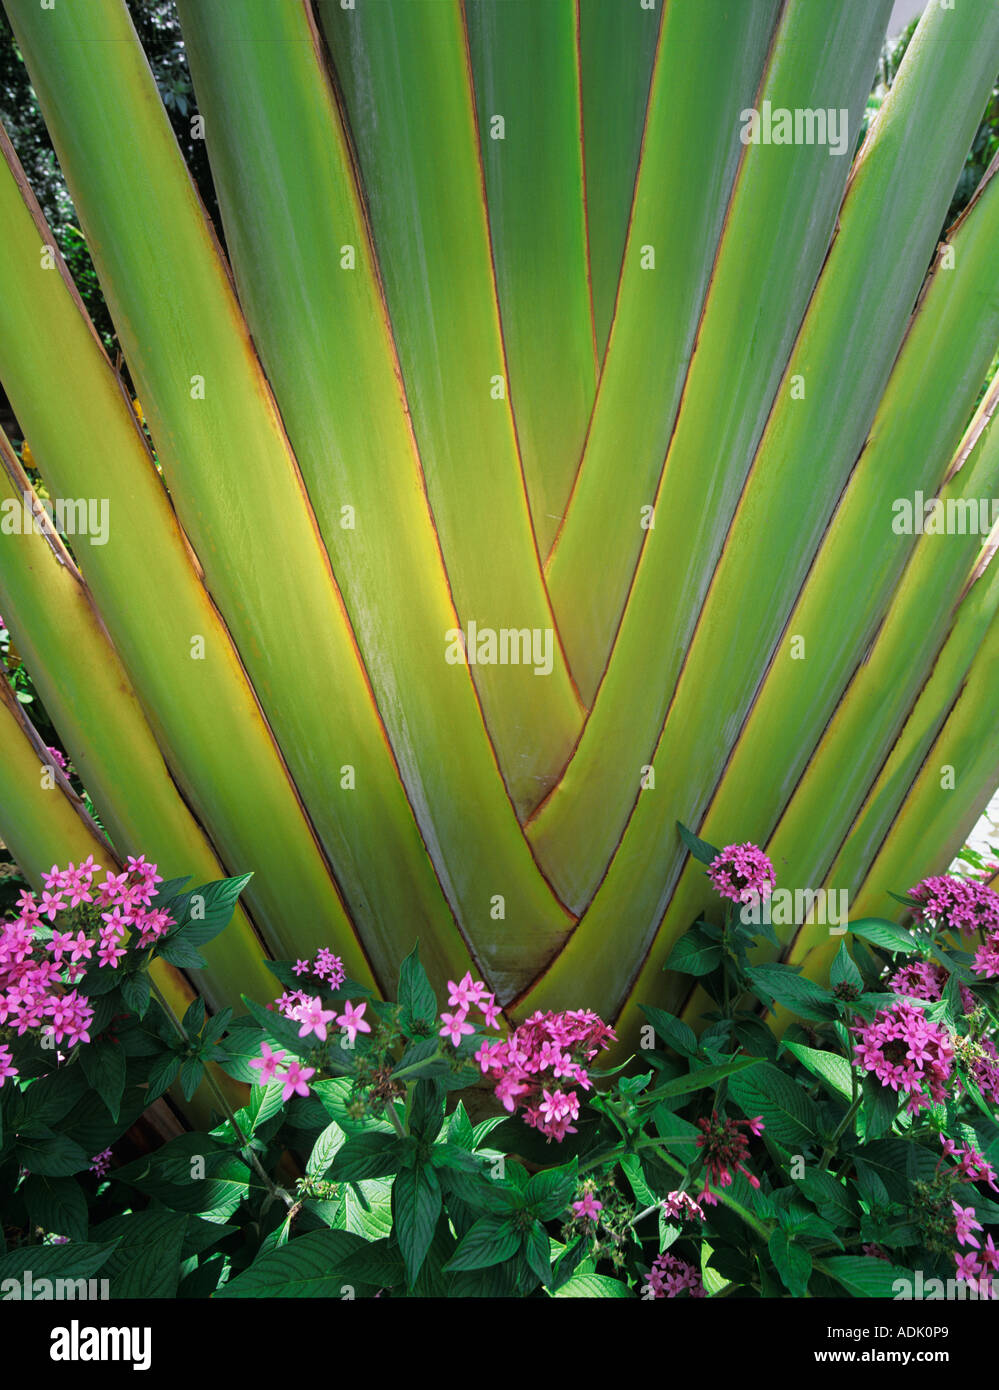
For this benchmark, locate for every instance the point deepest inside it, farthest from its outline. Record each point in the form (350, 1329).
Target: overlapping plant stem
(88, 696)
(779, 220)
(323, 337)
(906, 168)
(510, 287)
(51, 825)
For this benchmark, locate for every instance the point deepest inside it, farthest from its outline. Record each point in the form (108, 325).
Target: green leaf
(194, 1017)
(833, 1199)
(888, 935)
(367, 1208)
(162, 1075)
(426, 1113)
(802, 996)
(844, 971)
(593, 1286)
(416, 1205)
(103, 1065)
(832, 1069)
(673, 1031)
(416, 995)
(879, 1108)
(792, 1262)
(307, 1267)
(324, 1150)
(864, 1276)
(491, 1240)
(191, 1071)
(460, 1131)
(694, 954)
(56, 1261)
(537, 1250)
(135, 991)
(706, 1076)
(57, 1205)
(700, 849)
(147, 1261)
(790, 1116)
(202, 913)
(547, 1193)
(369, 1155)
(53, 1156)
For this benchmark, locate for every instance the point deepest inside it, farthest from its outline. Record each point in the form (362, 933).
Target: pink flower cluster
(926, 979)
(725, 1147)
(127, 896)
(907, 1052)
(292, 1075)
(58, 759)
(986, 960)
(540, 1064)
(670, 1276)
(100, 1163)
(742, 873)
(959, 904)
(976, 1265)
(971, 1165)
(462, 996)
(588, 1207)
(35, 973)
(679, 1206)
(307, 1009)
(326, 967)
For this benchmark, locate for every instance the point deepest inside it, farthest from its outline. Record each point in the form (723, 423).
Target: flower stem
(226, 1108)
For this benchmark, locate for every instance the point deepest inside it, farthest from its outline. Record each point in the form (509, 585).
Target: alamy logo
(798, 907)
(28, 1289)
(953, 516)
(779, 126)
(509, 646)
(66, 516)
(76, 1343)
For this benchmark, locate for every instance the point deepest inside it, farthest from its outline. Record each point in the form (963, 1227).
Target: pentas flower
(267, 1064)
(742, 873)
(975, 1268)
(455, 1026)
(294, 1080)
(58, 759)
(974, 1167)
(463, 996)
(875, 1252)
(71, 1016)
(926, 979)
(50, 905)
(959, 904)
(314, 1018)
(101, 1162)
(588, 1207)
(907, 1052)
(670, 1276)
(36, 976)
(541, 1063)
(679, 1205)
(7, 1067)
(465, 993)
(352, 1022)
(725, 1147)
(965, 1224)
(329, 967)
(986, 960)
